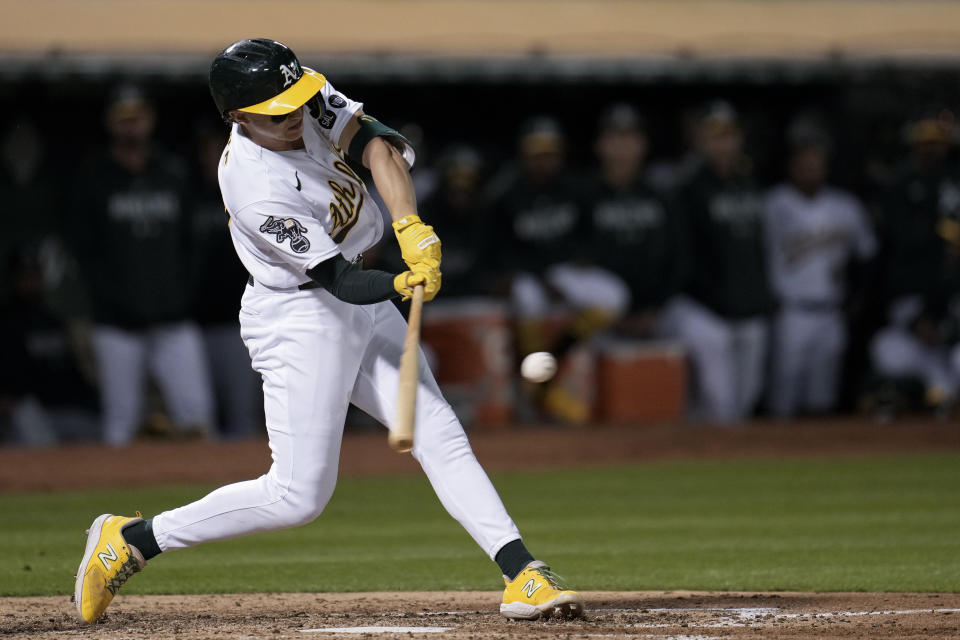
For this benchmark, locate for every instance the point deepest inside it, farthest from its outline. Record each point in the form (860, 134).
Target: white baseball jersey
(810, 241)
(291, 210)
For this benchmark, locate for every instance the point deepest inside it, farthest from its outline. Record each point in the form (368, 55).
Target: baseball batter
(320, 330)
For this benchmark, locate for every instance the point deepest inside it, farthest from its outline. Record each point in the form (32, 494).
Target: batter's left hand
(419, 273)
(418, 242)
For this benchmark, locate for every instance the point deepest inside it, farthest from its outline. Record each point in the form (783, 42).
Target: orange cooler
(641, 382)
(471, 341)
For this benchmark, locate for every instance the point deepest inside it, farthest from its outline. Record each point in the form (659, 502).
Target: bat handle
(401, 437)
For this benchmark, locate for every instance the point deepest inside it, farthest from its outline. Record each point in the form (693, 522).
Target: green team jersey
(541, 224)
(727, 268)
(463, 228)
(133, 239)
(635, 233)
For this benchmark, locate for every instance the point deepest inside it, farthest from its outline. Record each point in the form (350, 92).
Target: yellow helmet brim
(293, 98)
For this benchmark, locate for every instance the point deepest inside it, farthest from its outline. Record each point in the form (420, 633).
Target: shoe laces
(552, 578)
(127, 569)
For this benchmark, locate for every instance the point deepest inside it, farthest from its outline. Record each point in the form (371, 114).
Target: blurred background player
(722, 320)
(814, 232)
(545, 251)
(922, 273)
(633, 231)
(26, 189)
(217, 284)
(30, 191)
(456, 206)
(45, 398)
(48, 374)
(133, 237)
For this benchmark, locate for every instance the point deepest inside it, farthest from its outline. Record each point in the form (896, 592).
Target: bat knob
(400, 444)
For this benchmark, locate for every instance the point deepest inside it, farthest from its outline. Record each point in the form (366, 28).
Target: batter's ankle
(512, 559)
(140, 535)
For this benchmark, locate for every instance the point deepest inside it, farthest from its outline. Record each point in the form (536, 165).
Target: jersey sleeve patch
(337, 110)
(328, 120)
(284, 229)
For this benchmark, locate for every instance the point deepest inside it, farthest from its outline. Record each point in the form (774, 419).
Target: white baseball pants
(173, 353)
(728, 358)
(583, 287)
(808, 349)
(316, 355)
(896, 351)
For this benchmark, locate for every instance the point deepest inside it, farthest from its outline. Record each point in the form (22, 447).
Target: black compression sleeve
(350, 283)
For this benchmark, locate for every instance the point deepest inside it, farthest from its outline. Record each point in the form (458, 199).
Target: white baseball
(539, 366)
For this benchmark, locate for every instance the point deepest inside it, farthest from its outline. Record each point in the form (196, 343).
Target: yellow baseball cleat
(538, 592)
(107, 563)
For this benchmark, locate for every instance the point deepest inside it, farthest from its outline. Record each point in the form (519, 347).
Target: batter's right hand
(429, 277)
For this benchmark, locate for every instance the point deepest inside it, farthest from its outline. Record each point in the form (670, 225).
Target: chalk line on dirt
(744, 616)
(378, 630)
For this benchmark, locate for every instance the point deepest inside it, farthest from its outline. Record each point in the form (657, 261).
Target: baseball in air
(539, 366)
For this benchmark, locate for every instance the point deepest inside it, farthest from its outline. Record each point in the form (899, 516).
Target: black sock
(140, 535)
(512, 558)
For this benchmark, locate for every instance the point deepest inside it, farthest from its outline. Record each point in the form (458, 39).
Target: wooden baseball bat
(401, 437)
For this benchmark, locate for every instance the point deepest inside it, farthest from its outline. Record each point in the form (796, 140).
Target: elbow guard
(371, 128)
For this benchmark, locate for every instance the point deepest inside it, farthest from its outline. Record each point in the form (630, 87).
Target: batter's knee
(441, 438)
(301, 505)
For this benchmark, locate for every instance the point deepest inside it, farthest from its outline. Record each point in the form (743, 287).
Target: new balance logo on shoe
(104, 556)
(531, 587)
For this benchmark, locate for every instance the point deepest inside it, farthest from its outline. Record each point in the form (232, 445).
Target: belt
(310, 284)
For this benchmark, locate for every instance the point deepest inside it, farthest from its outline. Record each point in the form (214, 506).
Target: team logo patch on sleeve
(336, 101)
(328, 119)
(287, 228)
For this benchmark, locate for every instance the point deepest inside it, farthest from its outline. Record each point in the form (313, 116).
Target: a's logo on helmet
(287, 228)
(289, 74)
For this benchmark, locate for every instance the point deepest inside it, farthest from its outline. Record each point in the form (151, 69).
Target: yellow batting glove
(433, 278)
(404, 283)
(418, 242)
(429, 277)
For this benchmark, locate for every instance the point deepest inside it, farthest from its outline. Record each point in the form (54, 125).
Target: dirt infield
(148, 463)
(473, 615)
